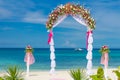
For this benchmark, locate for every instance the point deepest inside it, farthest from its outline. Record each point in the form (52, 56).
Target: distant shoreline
(55, 48)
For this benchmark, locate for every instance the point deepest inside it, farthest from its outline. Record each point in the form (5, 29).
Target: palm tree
(13, 73)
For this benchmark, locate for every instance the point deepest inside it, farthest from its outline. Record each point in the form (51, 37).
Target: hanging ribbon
(50, 36)
(88, 34)
(104, 59)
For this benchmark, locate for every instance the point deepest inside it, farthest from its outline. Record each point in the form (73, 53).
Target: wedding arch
(81, 15)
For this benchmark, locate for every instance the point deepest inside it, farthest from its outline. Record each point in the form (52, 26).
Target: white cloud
(21, 11)
(35, 17)
(103, 3)
(68, 44)
(107, 20)
(4, 13)
(13, 10)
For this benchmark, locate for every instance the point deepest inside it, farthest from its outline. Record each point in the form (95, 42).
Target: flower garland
(104, 49)
(29, 49)
(70, 9)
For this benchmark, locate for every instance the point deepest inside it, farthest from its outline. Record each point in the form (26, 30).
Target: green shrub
(99, 75)
(78, 74)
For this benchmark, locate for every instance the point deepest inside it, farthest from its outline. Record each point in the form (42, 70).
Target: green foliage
(117, 72)
(13, 73)
(29, 50)
(104, 49)
(78, 74)
(109, 78)
(99, 75)
(1, 78)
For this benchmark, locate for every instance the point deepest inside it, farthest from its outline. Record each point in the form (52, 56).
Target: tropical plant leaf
(13, 73)
(1, 78)
(99, 75)
(78, 74)
(117, 73)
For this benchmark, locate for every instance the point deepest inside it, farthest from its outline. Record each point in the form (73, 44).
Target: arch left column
(52, 52)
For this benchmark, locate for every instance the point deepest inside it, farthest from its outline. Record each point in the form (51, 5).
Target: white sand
(59, 75)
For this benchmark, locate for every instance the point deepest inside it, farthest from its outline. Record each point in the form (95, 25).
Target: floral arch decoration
(73, 10)
(81, 15)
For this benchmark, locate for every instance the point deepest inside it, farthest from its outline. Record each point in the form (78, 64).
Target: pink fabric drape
(31, 58)
(88, 33)
(104, 59)
(50, 36)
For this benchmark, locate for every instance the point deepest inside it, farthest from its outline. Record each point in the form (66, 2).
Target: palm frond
(13, 73)
(78, 74)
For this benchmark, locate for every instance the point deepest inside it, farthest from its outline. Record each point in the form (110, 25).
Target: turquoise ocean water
(65, 58)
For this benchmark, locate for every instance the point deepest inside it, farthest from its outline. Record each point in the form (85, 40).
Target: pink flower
(104, 47)
(29, 47)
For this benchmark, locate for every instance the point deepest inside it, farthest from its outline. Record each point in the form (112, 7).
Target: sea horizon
(48, 48)
(66, 58)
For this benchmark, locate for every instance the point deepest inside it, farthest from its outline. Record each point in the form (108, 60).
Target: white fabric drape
(52, 49)
(105, 73)
(52, 56)
(89, 54)
(28, 66)
(60, 19)
(79, 19)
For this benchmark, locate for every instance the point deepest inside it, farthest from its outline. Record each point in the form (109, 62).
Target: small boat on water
(78, 49)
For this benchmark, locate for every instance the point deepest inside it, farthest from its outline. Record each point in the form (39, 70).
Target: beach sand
(59, 75)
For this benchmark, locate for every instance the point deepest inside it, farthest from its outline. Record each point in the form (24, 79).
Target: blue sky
(22, 22)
